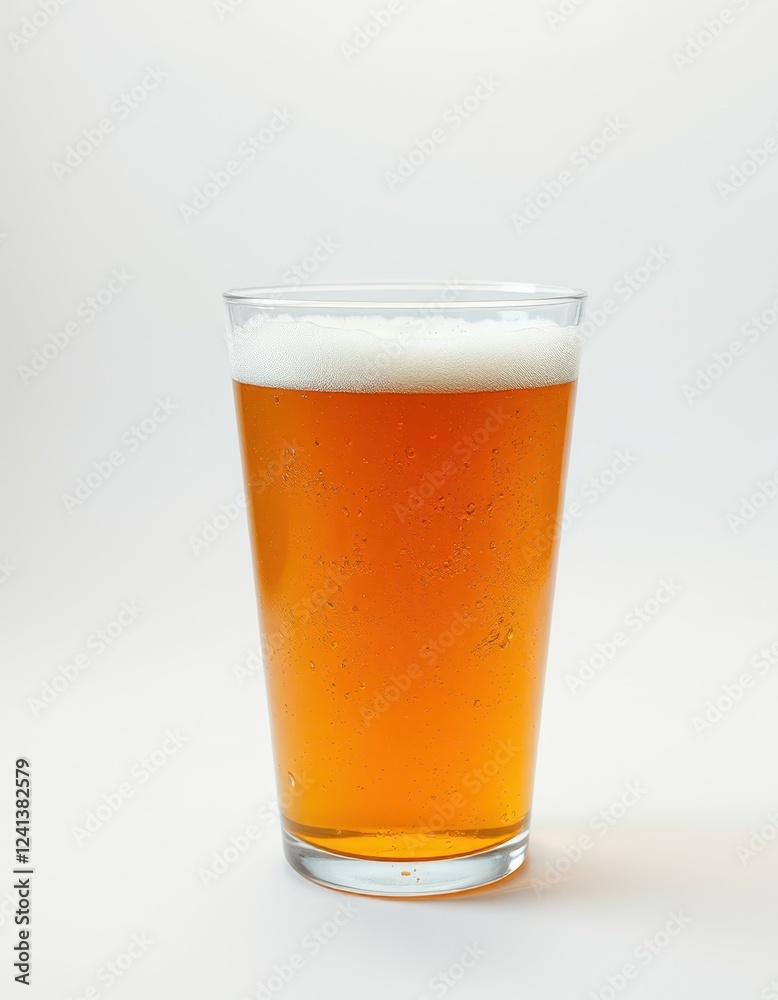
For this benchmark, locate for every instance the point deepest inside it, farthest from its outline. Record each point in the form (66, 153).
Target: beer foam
(402, 354)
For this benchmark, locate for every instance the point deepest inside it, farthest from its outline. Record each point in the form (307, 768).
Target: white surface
(432, 354)
(650, 194)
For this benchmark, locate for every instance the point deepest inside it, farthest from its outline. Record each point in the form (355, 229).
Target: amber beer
(405, 603)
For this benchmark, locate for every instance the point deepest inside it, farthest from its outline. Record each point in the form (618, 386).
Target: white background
(656, 187)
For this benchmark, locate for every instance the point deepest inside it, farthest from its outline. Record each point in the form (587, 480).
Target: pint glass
(404, 449)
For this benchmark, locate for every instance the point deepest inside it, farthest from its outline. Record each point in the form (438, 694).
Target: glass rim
(393, 295)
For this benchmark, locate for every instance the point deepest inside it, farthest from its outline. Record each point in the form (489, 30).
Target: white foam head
(399, 354)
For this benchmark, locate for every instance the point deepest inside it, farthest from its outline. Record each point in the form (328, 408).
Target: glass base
(405, 878)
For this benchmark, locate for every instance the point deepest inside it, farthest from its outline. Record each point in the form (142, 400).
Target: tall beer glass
(404, 450)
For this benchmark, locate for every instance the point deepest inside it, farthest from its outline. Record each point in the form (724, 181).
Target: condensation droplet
(479, 605)
(362, 685)
(276, 400)
(292, 780)
(313, 665)
(470, 509)
(334, 644)
(492, 546)
(476, 703)
(410, 452)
